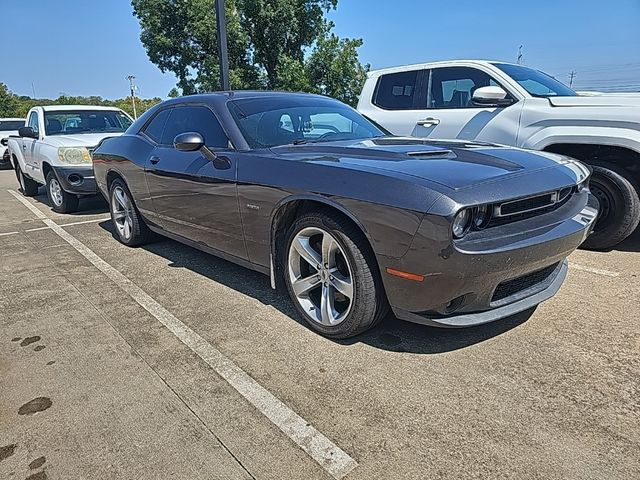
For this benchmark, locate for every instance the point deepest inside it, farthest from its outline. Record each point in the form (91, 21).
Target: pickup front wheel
(61, 201)
(619, 206)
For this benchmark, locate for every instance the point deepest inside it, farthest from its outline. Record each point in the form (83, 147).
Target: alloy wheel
(121, 210)
(320, 275)
(55, 190)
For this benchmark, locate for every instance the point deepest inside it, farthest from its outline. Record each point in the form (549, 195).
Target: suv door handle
(428, 122)
(154, 160)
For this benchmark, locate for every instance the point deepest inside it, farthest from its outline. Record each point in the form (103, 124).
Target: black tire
(60, 201)
(368, 305)
(28, 186)
(140, 233)
(619, 215)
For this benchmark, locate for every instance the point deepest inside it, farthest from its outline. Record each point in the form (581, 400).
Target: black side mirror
(4, 142)
(27, 132)
(188, 142)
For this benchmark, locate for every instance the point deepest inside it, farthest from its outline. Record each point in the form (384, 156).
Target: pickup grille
(511, 287)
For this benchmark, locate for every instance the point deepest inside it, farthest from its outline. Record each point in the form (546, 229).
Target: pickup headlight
(74, 155)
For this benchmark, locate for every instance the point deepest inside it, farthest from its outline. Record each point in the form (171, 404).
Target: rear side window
(195, 119)
(397, 91)
(154, 129)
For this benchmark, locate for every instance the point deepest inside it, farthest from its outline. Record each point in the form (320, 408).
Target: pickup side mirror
(27, 132)
(491, 96)
(4, 142)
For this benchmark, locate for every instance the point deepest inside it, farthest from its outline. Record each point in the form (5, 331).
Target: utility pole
(520, 55)
(571, 77)
(132, 89)
(221, 23)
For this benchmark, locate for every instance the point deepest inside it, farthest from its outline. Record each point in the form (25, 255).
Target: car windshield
(68, 122)
(273, 121)
(10, 125)
(535, 82)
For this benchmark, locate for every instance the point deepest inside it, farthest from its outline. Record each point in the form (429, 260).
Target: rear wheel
(28, 186)
(61, 201)
(129, 225)
(619, 214)
(332, 277)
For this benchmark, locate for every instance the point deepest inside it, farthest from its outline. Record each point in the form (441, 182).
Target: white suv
(515, 105)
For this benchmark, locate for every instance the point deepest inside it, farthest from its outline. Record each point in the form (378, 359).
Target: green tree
(273, 44)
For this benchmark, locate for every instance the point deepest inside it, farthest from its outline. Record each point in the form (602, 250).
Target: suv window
(397, 91)
(154, 129)
(33, 122)
(195, 119)
(453, 87)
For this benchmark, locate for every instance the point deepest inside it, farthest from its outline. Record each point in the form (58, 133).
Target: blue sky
(87, 47)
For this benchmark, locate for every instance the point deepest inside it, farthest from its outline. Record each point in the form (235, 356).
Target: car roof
(222, 96)
(441, 63)
(12, 119)
(58, 108)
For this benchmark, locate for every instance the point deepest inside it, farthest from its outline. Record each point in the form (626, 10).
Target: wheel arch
(287, 210)
(595, 153)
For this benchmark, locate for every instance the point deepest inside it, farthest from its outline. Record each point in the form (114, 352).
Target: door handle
(154, 160)
(428, 122)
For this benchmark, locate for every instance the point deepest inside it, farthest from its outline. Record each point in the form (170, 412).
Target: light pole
(132, 88)
(221, 23)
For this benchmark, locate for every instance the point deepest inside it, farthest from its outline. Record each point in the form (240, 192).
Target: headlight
(461, 223)
(74, 155)
(481, 216)
(582, 185)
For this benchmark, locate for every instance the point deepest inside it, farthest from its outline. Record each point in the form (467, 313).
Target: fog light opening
(454, 305)
(74, 179)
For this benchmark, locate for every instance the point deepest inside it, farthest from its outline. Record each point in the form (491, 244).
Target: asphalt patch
(34, 406)
(30, 340)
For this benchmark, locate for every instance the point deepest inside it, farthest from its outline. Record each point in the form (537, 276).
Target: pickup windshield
(69, 122)
(535, 82)
(274, 121)
(10, 125)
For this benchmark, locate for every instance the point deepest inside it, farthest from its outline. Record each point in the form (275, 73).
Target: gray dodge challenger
(351, 220)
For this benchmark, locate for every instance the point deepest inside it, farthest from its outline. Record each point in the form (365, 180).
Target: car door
(399, 100)
(451, 114)
(29, 146)
(192, 196)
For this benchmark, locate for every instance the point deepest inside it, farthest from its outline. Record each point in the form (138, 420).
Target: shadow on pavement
(392, 334)
(630, 244)
(93, 205)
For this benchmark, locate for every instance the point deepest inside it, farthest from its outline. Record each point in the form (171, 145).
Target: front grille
(530, 207)
(511, 287)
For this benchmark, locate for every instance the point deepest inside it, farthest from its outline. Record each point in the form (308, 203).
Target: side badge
(252, 206)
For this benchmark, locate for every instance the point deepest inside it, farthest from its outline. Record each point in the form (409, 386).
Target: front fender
(615, 136)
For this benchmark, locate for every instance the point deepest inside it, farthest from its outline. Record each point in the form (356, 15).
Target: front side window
(273, 121)
(453, 87)
(536, 83)
(397, 91)
(69, 122)
(10, 125)
(195, 119)
(33, 122)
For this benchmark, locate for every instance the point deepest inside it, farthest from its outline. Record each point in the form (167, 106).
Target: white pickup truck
(54, 149)
(515, 105)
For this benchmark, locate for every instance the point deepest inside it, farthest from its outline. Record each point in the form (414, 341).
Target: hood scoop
(432, 154)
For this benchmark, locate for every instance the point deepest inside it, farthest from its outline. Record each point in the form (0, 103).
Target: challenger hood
(595, 101)
(456, 165)
(79, 140)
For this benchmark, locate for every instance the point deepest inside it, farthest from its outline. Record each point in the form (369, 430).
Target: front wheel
(332, 277)
(61, 201)
(130, 228)
(619, 206)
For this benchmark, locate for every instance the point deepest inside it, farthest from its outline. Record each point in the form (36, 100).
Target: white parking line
(8, 233)
(329, 456)
(95, 220)
(597, 271)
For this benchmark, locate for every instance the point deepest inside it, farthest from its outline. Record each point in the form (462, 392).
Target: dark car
(305, 189)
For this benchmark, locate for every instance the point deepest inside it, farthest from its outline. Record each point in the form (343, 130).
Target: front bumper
(490, 274)
(78, 180)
